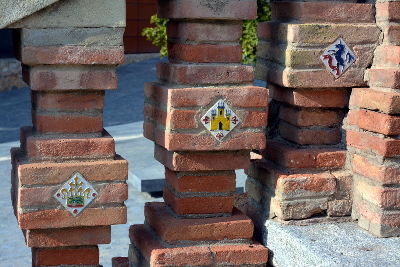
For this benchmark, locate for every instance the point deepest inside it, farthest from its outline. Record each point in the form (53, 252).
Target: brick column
(300, 175)
(373, 131)
(204, 116)
(68, 185)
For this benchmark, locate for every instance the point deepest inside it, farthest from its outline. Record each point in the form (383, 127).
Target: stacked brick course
(68, 66)
(198, 224)
(373, 130)
(301, 174)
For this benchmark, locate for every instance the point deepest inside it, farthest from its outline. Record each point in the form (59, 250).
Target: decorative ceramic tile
(76, 194)
(338, 57)
(220, 120)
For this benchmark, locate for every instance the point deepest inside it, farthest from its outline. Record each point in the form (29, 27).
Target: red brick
(314, 117)
(205, 31)
(307, 12)
(56, 173)
(157, 255)
(389, 78)
(255, 119)
(82, 101)
(46, 219)
(387, 102)
(204, 74)
(388, 11)
(193, 9)
(201, 182)
(206, 161)
(79, 55)
(264, 30)
(155, 114)
(65, 256)
(120, 262)
(392, 34)
(375, 121)
(385, 174)
(68, 237)
(43, 78)
(204, 53)
(383, 197)
(387, 56)
(38, 148)
(233, 141)
(310, 136)
(190, 205)
(62, 123)
(171, 229)
(174, 118)
(384, 146)
(240, 255)
(315, 78)
(324, 98)
(238, 97)
(304, 158)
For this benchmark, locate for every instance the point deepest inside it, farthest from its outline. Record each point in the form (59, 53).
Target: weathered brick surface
(206, 161)
(246, 255)
(190, 205)
(67, 123)
(375, 121)
(202, 181)
(310, 136)
(41, 78)
(387, 56)
(388, 11)
(193, 9)
(243, 97)
(204, 74)
(205, 31)
(57, 256)
(204, 53)
(55, 173)
(171, 229)
(55, 218)
(74, 101)
(304, 158)
(387, 102)
(306, 12)
(120, 262)
(386, 147)
(383, 197)
(68, 237)
(392, 34)
(389, 78)
(68, 55)
(39, 148)
(385, 174)
(310, 98)
(314, 117)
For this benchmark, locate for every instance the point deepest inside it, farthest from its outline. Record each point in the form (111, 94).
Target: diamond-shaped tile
(76, 194)
(220, 120)
(338, 57)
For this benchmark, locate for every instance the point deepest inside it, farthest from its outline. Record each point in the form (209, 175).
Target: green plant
(158, 34)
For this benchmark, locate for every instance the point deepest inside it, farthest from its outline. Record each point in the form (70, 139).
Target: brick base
(146, 250)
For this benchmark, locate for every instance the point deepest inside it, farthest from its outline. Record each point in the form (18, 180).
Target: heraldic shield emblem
(338, 58)
(220, 120)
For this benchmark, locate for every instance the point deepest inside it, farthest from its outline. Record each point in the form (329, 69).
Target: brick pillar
(373, 130)
(68, 185)
(204, 116)
(300, 175)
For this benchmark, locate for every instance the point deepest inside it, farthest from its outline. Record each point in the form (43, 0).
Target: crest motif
(76, 194)
(220, 120)
(338, 57)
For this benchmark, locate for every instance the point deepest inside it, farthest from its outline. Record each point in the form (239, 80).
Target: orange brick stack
(301, 174)
(68, 77)
(373, 130)
(198, 224)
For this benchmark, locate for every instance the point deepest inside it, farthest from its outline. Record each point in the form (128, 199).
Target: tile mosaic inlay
(220, 120)
(76, 194)
(338, 57)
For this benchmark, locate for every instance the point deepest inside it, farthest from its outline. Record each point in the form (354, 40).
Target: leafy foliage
(158, 34)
